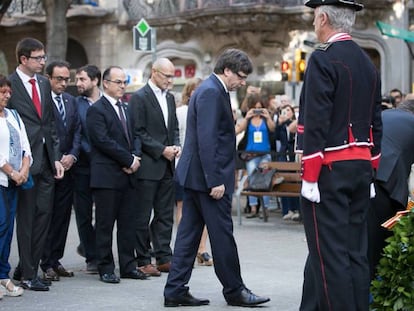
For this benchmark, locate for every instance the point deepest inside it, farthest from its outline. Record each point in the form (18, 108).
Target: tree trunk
(56, 28)
(4, 6)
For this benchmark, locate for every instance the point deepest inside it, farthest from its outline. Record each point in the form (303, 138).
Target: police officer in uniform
(339, 136)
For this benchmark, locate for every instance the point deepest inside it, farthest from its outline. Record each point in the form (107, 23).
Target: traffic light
(286, 67)
(300, 64)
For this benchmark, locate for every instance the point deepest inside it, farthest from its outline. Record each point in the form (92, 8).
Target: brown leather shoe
(165, 267)
(50, 275)
(150, 270)
(61, 271)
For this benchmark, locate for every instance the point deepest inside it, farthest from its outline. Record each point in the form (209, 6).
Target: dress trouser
(59, 224)
(382, 208)
(155, 196)
(115, 205)
(34, 211)
(83, 205)
(336, 271)
(200, 209)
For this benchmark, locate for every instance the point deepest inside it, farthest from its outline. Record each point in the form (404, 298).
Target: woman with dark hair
(285, 137)
(15, 160)
(257, 142)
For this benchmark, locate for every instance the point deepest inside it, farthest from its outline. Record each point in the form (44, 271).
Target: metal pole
(154, 44)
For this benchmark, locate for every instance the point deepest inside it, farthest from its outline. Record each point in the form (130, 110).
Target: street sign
(395, 32)
(142, 33)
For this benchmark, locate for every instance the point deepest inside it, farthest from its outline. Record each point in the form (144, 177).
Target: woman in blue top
(258, 125)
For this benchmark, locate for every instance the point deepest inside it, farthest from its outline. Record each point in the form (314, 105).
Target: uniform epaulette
(323, 46)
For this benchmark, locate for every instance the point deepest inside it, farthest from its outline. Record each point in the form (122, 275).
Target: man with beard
(88, 79)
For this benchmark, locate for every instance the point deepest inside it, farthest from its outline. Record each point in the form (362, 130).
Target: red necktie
(35, 97)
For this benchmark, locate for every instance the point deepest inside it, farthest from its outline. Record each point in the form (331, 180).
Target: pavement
(272, 257)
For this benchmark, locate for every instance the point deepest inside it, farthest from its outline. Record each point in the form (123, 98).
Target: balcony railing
(181, 8)
(35, 6)
(151, 8)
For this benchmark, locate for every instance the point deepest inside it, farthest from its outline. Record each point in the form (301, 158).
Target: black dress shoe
(45, 282)
(135, 274)
(34, 285)
(247, 299)
(109, 278)
(186, 300)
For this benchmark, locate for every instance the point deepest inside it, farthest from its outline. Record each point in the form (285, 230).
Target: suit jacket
(69, 135)
(111, 150)
(150, 129)
(40, 131)
(397, 154)
(208, 157)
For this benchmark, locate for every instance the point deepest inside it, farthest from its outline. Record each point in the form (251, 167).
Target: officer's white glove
(310, 191)
(372, 192)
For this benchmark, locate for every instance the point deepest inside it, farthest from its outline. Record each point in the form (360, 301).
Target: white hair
(340, 18)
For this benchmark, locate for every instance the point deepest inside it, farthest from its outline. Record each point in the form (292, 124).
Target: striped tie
(61, 109)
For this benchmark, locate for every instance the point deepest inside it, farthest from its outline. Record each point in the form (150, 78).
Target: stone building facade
(192, 33)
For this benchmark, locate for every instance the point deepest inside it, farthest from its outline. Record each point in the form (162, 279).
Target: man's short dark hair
(56, 63)
(92, 71)
(26, 46)
(235, 60)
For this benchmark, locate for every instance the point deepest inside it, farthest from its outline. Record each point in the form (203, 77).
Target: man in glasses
(68, 130)
(32, 99)
(155, 124)
(206, 170)
(114, 160)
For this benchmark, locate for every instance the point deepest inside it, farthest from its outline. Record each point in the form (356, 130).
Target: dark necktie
(123, 121)
(35, 97)
(61, 109)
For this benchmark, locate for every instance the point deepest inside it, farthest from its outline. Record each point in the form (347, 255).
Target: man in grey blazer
(31, 98)
(155, 124)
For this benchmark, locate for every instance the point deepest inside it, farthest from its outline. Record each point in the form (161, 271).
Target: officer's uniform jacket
(340, 107)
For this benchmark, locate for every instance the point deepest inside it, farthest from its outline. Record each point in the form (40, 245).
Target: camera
(257, 111)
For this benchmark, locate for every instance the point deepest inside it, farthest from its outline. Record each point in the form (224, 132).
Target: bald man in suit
(155, 124)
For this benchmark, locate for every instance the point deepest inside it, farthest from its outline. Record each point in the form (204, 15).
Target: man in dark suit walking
(206, 170)
(114, 160)
(155, 124)
(68, 130)
(31, 98)
(391, 186)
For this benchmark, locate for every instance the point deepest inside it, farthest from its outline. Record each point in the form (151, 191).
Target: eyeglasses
(241, 77)
(61, 79)
(38, 58)
(165, 75)
(119, 82)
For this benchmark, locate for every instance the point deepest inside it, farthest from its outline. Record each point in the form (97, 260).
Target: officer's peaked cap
(346, 3)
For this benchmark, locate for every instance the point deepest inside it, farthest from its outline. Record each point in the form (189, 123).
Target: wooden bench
(289, 187)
